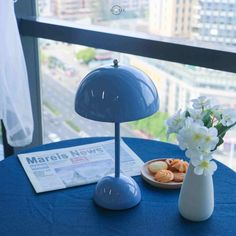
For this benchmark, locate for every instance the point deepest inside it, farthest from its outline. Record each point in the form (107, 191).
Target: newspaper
(78, 165)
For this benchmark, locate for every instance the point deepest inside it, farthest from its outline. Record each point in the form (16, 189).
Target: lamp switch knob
(115, 61)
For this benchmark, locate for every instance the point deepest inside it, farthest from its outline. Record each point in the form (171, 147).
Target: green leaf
(187, 114)
(207, 119)
(222, 130)
(221, 140)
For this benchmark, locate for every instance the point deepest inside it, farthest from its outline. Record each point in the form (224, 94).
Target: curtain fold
(15, 103)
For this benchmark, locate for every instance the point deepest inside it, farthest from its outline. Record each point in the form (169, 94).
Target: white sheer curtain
(15, 104)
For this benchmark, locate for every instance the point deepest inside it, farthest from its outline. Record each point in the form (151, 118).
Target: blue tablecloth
(73, 212)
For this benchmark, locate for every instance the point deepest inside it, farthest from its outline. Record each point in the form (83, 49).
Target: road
(61, 98)
(55, 125)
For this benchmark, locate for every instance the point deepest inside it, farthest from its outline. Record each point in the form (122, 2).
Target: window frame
(195, 53)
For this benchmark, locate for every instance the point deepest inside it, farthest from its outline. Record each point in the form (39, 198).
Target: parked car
(54, 137)
(69, 71)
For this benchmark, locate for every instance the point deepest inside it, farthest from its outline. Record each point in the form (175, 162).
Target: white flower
(197, 139)
(197, 153)
(217, 111)
(228, 117)
(185, 133)
(204, 166)
(210, 139)
(176, 122)
(201, 102)
(196, 115)
(197, 131)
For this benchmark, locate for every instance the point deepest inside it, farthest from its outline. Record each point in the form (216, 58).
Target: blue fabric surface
(72, 211)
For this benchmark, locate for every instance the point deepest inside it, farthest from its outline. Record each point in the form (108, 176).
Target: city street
(55, 125)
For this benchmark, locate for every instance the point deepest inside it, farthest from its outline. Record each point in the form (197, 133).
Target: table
(72, 211)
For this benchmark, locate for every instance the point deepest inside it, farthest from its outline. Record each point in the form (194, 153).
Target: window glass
(199, 20)
(63, 66)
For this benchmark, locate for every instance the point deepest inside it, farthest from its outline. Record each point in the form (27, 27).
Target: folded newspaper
(78, 165)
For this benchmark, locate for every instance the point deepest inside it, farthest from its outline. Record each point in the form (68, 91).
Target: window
(59, 68)
(64, 65)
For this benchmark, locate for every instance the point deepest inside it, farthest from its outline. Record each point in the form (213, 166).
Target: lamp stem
(117, 150)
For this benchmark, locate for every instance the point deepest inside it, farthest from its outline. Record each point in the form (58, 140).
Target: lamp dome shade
(116, 93)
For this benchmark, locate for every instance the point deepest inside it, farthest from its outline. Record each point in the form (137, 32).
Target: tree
(153, 126)
(86, 55)
(42, 55)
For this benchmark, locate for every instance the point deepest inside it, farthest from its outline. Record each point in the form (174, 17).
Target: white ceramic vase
(196, 199)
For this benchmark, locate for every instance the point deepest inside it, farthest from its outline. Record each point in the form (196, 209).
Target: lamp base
(117, 193)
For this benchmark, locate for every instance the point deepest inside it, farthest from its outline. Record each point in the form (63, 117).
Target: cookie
(174, 161)
(178, 177)
(179, 165)
(164, 176)
(155, 166)
(169, 162)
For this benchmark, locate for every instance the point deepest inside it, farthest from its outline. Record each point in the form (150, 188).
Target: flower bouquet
(200, 130)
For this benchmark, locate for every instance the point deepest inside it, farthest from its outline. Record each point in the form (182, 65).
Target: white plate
(146, 175)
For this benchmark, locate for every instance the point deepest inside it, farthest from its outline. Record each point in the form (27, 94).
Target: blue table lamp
(116, 93)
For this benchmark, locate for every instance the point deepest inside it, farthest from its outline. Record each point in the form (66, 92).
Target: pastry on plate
(164, 176)
(179, 165)
(169, 162)
(178, 177)
(155, 166)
